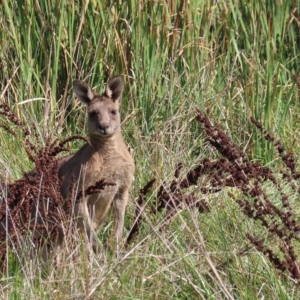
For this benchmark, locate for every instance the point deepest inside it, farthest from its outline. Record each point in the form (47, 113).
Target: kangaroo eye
(113, 112)
(92, 114)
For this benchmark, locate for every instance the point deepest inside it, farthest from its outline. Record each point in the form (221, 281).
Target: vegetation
(198, 75)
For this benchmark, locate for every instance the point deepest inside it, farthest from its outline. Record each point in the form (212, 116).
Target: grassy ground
(230, 59)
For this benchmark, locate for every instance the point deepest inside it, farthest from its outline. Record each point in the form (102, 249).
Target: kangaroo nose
(103, 127)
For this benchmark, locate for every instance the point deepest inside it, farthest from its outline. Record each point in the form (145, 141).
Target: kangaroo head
(103, 110)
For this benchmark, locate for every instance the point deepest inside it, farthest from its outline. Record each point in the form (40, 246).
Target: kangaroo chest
(113, 169)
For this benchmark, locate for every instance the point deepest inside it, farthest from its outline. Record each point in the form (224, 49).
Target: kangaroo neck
(105, 143)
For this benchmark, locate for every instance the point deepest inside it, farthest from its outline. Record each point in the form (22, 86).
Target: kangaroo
(105, 157)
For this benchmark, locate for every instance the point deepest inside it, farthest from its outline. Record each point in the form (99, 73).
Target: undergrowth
(24, 210)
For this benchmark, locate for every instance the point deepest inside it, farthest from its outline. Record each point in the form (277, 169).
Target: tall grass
(231, 59)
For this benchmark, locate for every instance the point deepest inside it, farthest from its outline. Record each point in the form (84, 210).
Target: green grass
(231, 59)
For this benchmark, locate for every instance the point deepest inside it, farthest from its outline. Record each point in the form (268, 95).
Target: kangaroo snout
(103, 128)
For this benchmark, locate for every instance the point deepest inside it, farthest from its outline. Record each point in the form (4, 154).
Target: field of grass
(231, 60)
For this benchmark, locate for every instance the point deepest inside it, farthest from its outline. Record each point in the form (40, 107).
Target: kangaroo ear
(114, 88)
(83, 92)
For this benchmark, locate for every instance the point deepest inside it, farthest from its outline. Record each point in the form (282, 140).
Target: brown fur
(106, 157)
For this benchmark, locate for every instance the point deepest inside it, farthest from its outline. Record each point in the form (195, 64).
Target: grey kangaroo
(105, 157)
